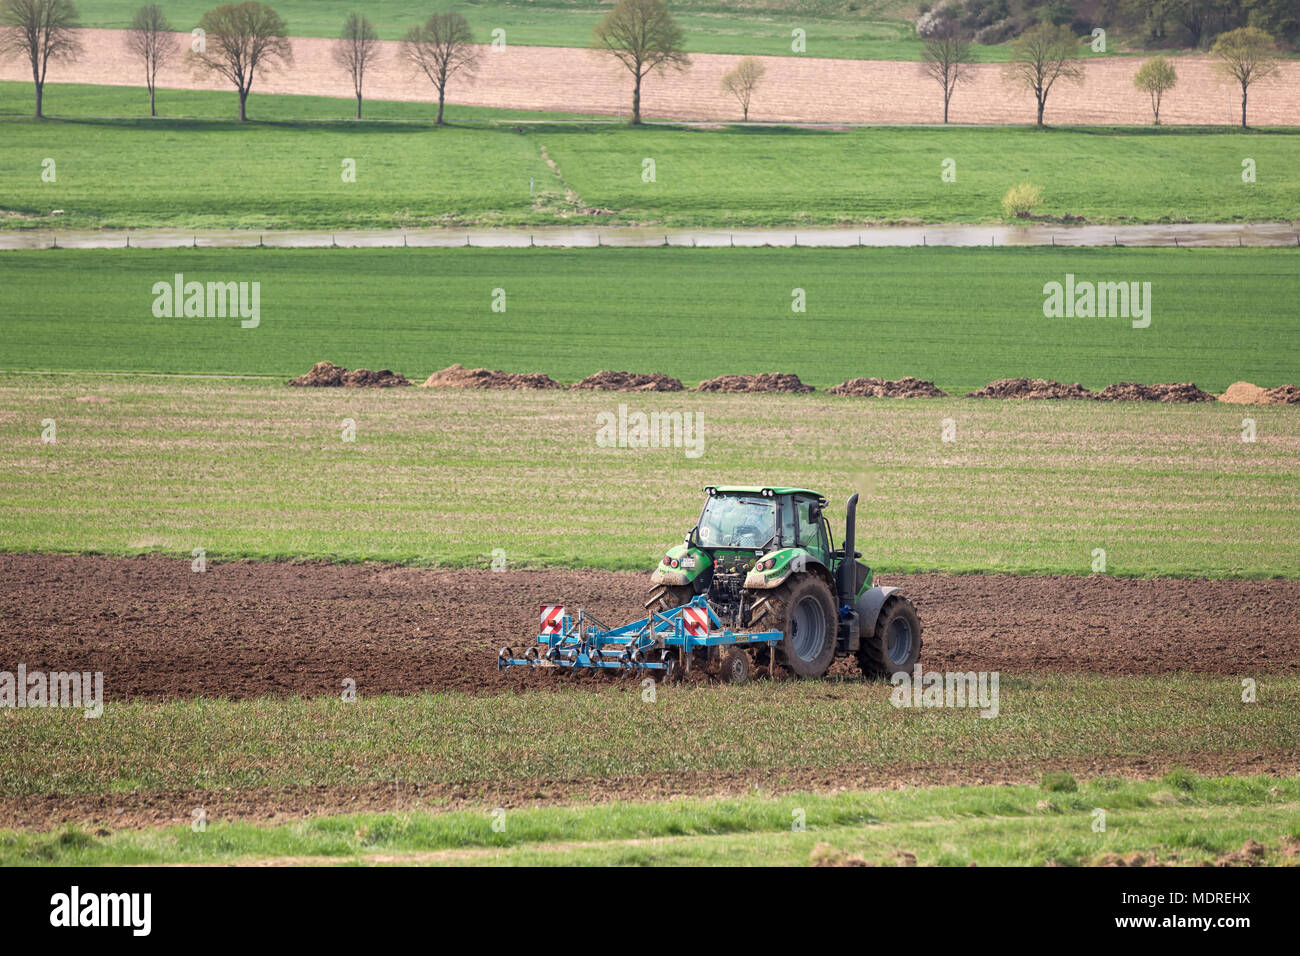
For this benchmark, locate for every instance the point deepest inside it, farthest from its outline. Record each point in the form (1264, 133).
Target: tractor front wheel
(809, 626)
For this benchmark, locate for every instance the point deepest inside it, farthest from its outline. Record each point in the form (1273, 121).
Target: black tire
(735, 667)
(673, 595)
(895, 644)
(810, 625)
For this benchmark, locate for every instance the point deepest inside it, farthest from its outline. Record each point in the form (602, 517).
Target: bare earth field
(242, 630)
(795, 88)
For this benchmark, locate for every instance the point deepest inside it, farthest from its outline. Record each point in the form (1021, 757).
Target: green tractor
(764, 558)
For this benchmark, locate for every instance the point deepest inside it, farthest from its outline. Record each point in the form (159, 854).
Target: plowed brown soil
(629, 382)
(157, 629)
(457, 376)
(795, 88)
(781, 382)
(907, 387)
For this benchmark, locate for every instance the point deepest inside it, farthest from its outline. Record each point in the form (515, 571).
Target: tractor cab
(748, 540)
(761, 520)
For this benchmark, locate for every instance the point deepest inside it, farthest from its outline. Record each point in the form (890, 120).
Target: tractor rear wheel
(809, 623)
(895, 645)
(665, 597)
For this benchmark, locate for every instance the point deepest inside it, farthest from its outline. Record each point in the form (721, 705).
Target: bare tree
(643, 36)
(947, 59)
(441, 48)
(1245, 55)
(41, 30)
(1156, 77)
(151, 39)
(241, 41)
(743, 81)
(355, 49)
(1040, 56)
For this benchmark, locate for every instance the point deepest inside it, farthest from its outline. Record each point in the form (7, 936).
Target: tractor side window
(787, 524)
(809, 530)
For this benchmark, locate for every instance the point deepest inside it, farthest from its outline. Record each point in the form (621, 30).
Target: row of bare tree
(238, 40)
(1046, 53)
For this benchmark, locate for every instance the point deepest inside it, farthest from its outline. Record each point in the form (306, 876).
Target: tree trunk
(636, 101)
(243, 110)
(1243, 107)
(358, 106)
(438, 122)
(40, 91)
(947, 95)
(153, 110)
(1041, 104)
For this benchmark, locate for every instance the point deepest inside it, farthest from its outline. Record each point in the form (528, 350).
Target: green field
(444, 478)
(489, 748)
(85, 102)
(960, 317)
(1182, 820)
(286, 173)
(1164, 489)
(867, 29)
(430, 752)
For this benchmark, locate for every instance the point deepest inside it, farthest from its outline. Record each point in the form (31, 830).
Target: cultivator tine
(656, 643)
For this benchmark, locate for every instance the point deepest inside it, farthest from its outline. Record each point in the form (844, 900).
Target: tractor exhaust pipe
(847, 574)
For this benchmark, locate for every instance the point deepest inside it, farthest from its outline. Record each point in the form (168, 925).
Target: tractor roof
(755, 489)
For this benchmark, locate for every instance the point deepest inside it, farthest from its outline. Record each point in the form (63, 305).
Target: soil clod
(781, 382)
(457, 376)
(608, 381)
(1033, 388)
(907, 387)
(329, 375)
(1245, 393)
(1169, 392)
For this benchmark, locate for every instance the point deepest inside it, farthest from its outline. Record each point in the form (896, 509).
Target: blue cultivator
(658, 643)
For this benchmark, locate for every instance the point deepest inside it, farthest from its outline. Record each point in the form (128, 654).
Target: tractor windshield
(738, 521)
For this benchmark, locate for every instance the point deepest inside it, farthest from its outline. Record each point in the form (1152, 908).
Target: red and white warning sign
(551, 618)
(696, 621)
